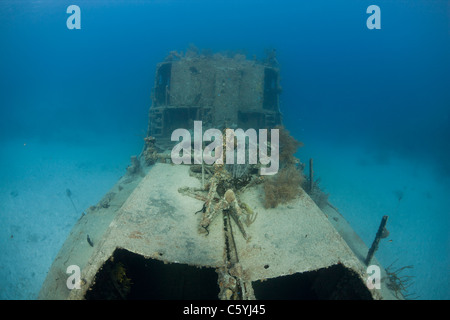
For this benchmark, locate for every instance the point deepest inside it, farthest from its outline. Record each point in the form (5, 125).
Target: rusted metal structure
(216, 89)
(144, 240)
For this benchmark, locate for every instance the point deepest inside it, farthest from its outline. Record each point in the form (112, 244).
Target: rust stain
(136, 235)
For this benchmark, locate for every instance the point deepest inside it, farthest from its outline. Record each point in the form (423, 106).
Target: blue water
(371, 106)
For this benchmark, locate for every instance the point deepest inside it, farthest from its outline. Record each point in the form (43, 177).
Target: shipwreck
(207, 231)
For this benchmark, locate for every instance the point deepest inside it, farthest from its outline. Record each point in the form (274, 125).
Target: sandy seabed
(365, 184)
(36, 214)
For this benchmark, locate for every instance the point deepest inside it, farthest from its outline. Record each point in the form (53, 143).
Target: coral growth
(286, 184)
(120, 280)
(399, 284)
(135, 166)
(150, 151)
(282, 187)
(288, 147)
(219, 197)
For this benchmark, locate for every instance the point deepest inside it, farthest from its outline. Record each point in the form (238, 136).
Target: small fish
(399, 194)
(385, 233)
(91, 243)
(69, 195)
